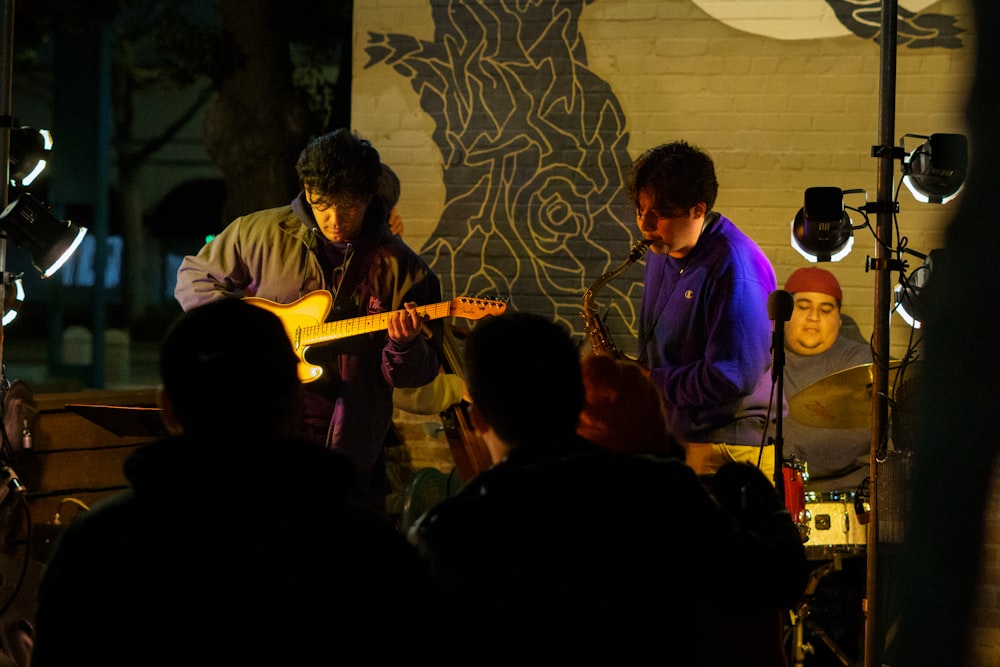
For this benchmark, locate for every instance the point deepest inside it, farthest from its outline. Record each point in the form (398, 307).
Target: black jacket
(238, 552)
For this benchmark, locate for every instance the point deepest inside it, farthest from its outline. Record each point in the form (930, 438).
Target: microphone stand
(779, 310)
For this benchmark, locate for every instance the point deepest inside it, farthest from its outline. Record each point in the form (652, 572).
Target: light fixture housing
(822, 230)
(29, 153)
(910, 294)
(30, 224)
(934, 172)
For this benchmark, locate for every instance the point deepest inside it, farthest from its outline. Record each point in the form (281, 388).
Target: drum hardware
(800, 618)
(863, 502)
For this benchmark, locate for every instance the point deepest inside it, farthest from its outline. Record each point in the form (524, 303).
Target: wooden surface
(71, 464)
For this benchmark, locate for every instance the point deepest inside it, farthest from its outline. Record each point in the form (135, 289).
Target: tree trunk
(258, 124)
(139, 274)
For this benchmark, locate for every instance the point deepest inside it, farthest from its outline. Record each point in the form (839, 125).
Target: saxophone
(597, 333)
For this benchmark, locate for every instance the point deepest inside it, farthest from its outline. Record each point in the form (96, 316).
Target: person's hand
(395, 222)
(405, 325)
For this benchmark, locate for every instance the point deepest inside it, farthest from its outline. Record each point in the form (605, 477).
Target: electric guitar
(304, 321)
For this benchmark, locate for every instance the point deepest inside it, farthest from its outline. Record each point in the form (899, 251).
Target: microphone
(780, 305)
(779, 310)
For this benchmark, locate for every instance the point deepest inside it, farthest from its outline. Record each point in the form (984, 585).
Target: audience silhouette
(566, 552)
(236, 543)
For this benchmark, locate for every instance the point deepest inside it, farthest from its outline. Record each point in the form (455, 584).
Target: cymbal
(840, 400)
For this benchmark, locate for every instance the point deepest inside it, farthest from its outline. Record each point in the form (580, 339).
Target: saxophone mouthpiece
(639, 248)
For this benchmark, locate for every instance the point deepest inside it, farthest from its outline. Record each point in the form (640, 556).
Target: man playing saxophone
(704, 332)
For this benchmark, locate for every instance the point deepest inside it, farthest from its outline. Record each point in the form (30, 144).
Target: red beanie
(814, 279)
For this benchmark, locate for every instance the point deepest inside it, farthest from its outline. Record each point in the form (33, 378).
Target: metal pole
(874, 627)
(6, 114)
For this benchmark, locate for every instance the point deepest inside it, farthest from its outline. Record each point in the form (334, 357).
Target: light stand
(821, 232)
(27, 222)
(874, 630)
(6, 119)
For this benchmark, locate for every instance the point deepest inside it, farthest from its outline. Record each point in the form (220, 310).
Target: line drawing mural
(534, 146)
(817, 19)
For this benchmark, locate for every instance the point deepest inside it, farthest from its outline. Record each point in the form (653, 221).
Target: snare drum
(833, 525)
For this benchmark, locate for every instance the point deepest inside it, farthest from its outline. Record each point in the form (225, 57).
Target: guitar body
(308, 311)
(305, 321)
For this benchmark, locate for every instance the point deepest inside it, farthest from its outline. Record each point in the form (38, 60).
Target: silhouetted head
(228, 366)
(523, 375)
(389, 187)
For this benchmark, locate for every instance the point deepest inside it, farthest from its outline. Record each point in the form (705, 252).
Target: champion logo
(374, 305)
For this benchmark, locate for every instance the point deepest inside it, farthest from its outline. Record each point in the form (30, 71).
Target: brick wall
(782, 102)
(778, 115)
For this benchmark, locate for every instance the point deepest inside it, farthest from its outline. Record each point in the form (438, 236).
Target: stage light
(910, 294)
(13, 299)
(29, 151)
(822, 230)
(935, 172)
(30, 224)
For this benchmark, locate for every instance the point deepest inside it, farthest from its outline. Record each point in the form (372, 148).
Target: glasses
(343, 207)
(655, 216)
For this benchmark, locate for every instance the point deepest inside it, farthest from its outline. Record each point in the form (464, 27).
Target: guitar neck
(327, 331)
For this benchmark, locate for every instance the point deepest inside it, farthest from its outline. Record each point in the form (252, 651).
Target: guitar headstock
(474, 308)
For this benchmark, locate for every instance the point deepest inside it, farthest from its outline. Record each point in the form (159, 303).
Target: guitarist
(333, 236)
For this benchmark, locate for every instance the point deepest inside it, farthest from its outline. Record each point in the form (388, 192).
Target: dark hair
(389, 187)
(340, 166)
(523, 374)
(678, 174)
(229, 365)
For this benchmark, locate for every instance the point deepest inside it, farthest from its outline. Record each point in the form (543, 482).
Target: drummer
(837, 457)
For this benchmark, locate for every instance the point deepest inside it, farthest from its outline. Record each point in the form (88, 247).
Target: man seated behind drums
(837, 457)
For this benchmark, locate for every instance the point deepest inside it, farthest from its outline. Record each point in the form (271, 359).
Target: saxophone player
(704, 332)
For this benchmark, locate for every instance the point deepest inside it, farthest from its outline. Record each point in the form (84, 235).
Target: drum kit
(833, 524)
(832, 529)
(841, 400)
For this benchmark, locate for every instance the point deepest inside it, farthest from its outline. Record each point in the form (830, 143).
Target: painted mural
(534, 145)
(815, 19)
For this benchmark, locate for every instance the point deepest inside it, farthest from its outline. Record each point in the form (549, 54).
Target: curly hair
(340, 166)
(678, 174)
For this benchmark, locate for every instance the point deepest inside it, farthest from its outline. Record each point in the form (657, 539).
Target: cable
(71, 501)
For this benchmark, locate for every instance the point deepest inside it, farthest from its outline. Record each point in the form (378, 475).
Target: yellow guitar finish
(305, 321)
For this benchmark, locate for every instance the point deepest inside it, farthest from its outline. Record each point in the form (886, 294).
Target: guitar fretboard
(354, 326)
